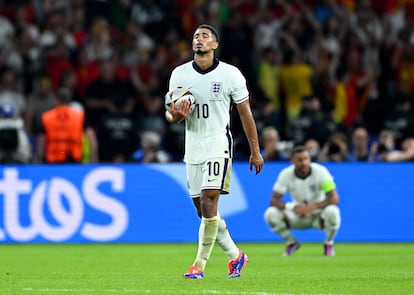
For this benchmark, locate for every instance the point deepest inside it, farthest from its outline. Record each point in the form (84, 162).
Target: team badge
(312, 188)
(216, 88)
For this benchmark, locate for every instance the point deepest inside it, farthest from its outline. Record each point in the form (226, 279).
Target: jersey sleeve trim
(242, 100)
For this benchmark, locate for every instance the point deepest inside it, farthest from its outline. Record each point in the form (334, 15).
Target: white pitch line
(64, 290)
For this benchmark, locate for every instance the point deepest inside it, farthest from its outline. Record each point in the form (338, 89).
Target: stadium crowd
(335, 75)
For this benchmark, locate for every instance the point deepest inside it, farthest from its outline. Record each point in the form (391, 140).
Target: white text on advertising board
(65, 203)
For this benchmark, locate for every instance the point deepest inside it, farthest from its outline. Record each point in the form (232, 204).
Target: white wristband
(290, 206)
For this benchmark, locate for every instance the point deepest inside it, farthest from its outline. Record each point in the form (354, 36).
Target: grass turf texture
(157, 269)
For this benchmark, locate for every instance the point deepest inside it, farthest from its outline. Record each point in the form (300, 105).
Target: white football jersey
(304, 190)
(208, 132)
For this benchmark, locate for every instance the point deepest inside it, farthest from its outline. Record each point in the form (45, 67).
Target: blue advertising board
(149, 203)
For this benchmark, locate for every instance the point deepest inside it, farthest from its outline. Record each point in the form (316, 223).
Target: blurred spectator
(273, 148)
(353, 78)
(78, 26)
(108, 94)
(9, 92)
(269, 26)
(69, 80)
(58, 60)
(236, 46)
(403, 62)
(366, 24)
(14, 143)
(62, 137)
(314, 149)
(150, 114)
(141, 44)
(117, 135)
(400, 118)
(27, 47)
(86, 70)
(41, 100)
(360, 147)
(384, 145)
(99, 46)
(7, 31)
(336, 149)
(214, 13)
(151, 150)
(46, 7)
(296, 83)
(155, 17)
(173, 141)
(56, 31)
(332, 34)
(312, 122)
(405, 154)
(268, 81)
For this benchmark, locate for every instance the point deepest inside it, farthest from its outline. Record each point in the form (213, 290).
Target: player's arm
(332, 198)
(249, 127)
(176, 115)
(276, 200)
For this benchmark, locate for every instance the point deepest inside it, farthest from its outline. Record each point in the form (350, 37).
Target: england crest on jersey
(216, 89)
(313, 188)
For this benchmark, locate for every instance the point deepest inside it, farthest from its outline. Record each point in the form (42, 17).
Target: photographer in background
(14, 143)
(384, 149)
(383, 146)
(273, 148)
(405, 154)
(336, 149)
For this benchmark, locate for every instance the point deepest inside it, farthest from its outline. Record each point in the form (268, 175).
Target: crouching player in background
(314, 201)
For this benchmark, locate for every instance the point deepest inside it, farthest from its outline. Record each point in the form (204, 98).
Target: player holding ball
(216, 87)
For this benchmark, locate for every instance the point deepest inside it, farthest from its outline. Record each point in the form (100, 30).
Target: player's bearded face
(302, 161)
(203, 42)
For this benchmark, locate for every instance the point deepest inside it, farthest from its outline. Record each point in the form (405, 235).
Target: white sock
(206, 239)
(225, 241)
(332, 221)
(330, 234)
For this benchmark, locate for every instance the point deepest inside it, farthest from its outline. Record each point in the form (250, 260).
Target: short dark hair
(64, 95)
(298, 149)
(211, 29)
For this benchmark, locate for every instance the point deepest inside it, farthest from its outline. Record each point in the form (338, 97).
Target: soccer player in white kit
(216, 86)
(314, 201)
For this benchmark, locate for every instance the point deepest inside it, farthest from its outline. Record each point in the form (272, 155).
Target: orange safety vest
(64, 134)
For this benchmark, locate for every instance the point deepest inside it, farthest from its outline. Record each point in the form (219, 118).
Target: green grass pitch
(157, 269)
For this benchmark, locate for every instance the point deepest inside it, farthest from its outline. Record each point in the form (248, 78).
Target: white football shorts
(215, 173)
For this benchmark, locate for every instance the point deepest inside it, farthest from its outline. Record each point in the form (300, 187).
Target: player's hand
(183, 109)
(257, 161)
(182, 112)
(176, 115)
(303, 210)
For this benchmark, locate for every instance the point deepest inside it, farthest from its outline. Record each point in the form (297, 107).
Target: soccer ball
(175, 97)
